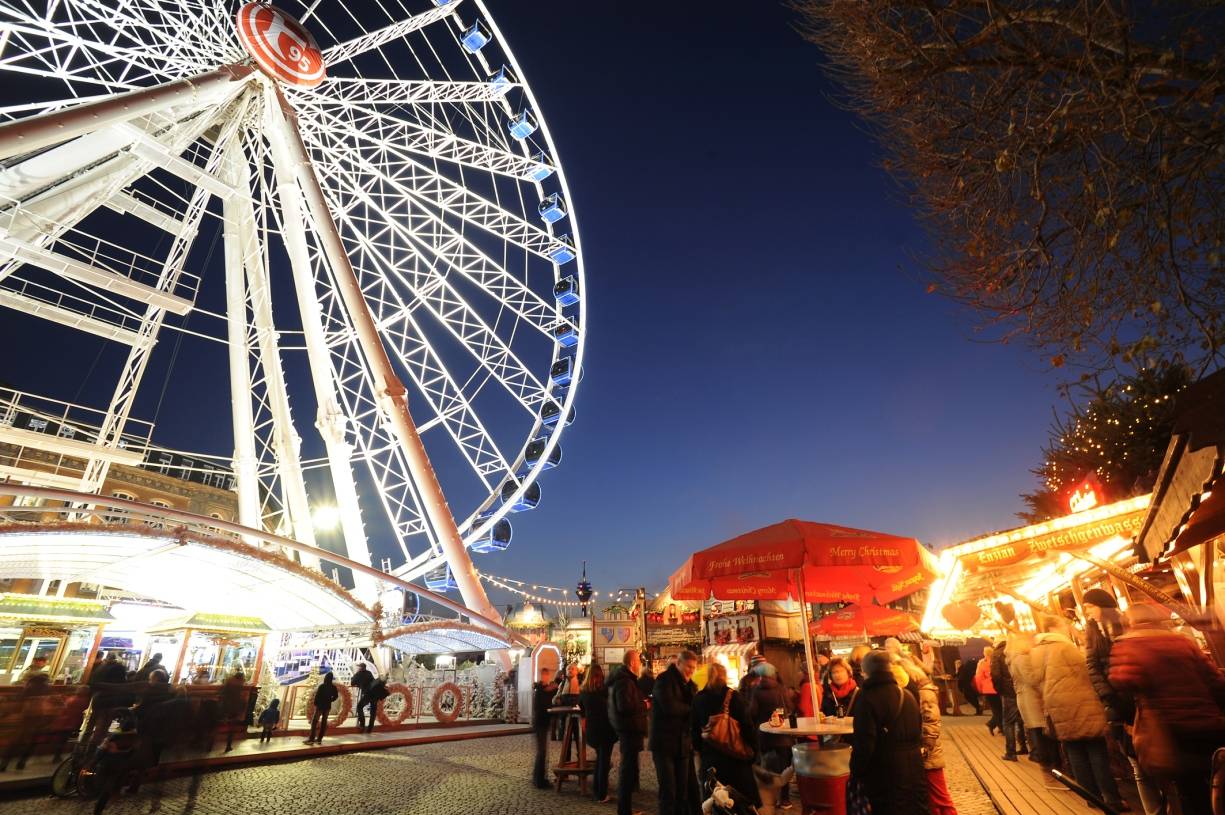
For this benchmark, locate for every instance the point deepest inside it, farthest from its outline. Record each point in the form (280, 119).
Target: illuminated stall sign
(1077, 537)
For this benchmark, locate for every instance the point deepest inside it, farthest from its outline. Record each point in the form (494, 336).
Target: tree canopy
(1120, 436)
(1066, 155)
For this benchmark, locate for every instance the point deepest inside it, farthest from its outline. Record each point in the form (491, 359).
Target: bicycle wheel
(89, 784)
(64, 779)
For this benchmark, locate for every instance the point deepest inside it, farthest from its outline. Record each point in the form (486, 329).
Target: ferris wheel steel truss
(411, 215)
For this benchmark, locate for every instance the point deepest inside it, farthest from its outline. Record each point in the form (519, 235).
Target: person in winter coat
(233, 700)
(269, 719)
(1001, 678)
(154, 664)
(843, 689)
(370, 698)
(542, 699)
(627, 711)
(1042, 749)
(986, 690)
(886, 746)
(671, 742)
(931, 741)
(1180, 696)
(321, 706)
(803, 698)
(735, 772)
(362, 679)
(600, 736)
(965, 683)
(1058, 668)
(767, 696)
(1104, 625)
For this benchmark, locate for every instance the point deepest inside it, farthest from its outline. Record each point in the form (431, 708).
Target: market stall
(1036, 569)
(207, 647)
(61, 632)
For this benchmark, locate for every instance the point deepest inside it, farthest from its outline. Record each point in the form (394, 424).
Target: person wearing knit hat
(1099, 598)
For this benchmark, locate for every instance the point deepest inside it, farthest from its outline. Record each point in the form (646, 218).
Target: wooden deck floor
(1016, 788)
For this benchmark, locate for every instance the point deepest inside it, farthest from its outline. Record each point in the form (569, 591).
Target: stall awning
(225, 623)
(739, 649)
(441, 637)
(63, 610)
(185, 569)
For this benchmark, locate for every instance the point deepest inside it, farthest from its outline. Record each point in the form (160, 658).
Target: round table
(811, 727)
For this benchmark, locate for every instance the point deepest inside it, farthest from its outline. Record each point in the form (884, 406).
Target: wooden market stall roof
(1189, 497)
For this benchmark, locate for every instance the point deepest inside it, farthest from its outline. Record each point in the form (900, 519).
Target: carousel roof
(442, 637)
(191, 571)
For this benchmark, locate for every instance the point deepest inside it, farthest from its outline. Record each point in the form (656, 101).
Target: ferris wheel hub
(280, 45)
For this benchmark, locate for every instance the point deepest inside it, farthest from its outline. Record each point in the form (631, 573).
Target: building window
(154, 522)
(119, 516)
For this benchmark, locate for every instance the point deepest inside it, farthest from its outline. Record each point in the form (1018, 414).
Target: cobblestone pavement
(475, 777)
(968, 794)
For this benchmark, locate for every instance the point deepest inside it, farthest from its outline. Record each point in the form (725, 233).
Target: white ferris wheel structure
(382, 183)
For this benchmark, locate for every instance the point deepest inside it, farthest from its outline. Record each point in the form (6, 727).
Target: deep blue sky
(760, 344)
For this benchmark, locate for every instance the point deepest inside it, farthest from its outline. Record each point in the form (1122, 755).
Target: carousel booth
(206, 648)
(61, 632)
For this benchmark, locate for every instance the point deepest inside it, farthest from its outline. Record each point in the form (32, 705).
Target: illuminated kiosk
(1037, 568)
(63, 631)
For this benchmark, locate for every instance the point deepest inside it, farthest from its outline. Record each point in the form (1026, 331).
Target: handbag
(722, 732)
(1156, 752)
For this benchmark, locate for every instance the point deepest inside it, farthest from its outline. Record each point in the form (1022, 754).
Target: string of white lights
(516, 586)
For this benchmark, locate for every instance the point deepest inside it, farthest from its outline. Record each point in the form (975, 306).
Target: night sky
(760, 343)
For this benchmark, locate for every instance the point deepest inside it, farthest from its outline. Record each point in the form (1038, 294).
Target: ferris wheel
(382, 161)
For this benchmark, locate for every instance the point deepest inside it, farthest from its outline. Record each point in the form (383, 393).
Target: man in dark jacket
(965, 683)
(671, 740)
(370, 698)
(627, 711)
(362, 679)
(154, 664)
(542, 700)
(886, 746)
(325, 695)
(1014, 729)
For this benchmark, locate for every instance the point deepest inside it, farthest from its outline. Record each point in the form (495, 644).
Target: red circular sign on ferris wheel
(280, 46)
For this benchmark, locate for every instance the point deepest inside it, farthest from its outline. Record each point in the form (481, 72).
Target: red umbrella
(812, 561)
(857, 620)
(832, 563)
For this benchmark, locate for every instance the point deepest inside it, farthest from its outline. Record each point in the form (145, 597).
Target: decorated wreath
(406, 709)
(448, 699)
(345, 697)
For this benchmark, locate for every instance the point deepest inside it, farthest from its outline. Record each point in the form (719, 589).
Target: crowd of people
(714, 733)
(1113, 700)
(1121, 701)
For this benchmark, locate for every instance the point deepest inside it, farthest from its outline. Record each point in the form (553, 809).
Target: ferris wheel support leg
(36, 132)
(330, 420)
(286, 443)
(391, 392)
(246, 461)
